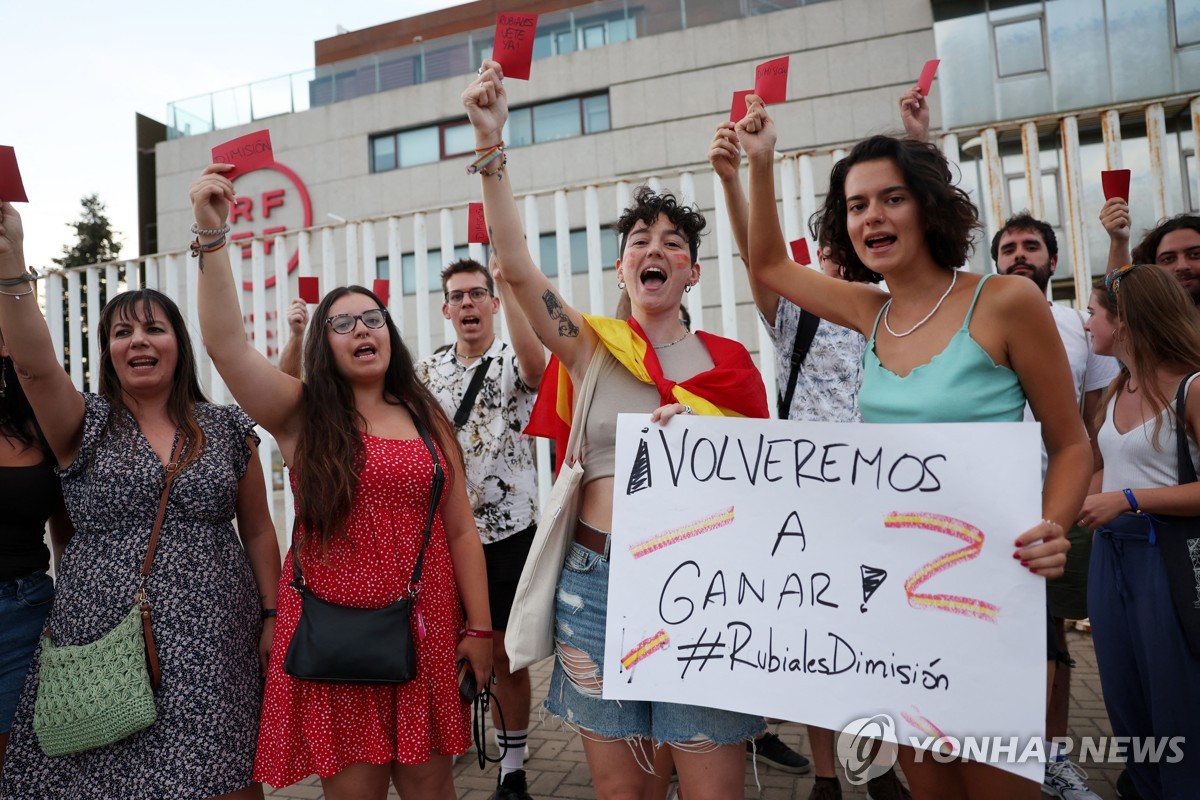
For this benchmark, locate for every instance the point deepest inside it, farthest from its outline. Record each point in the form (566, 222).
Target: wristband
(268, 613)
(475, 633)
(1133, 503)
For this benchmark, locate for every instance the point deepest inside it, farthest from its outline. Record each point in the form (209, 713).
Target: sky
(76, 74)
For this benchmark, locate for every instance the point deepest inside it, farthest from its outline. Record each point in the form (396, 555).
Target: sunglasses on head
(371, 318)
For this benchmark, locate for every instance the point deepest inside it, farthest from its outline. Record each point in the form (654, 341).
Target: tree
(96, 238)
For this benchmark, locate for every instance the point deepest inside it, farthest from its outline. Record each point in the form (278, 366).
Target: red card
(476, 225)
(310, 290)
(925, 82)
(739, 105)
(380, 288)
(247, 153)
(770, 80)
(800, 252)
(11, 188)
(513, 45)
(1116, 184)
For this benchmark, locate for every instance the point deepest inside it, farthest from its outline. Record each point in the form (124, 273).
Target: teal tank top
(959, 384)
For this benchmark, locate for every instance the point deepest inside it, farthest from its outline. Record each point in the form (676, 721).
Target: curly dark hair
(1026, 222)
(329, 453)
(947, 212)
(648, 205)
(1146, 251)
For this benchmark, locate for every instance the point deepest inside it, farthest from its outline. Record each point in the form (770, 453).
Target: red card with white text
(476, 224)
(513, 45)
(925, 82)
(246, 153)
(380, 288)
(738, 110)
(12, 189)
(800, 252)
(310, 290)
(1116, 183)
(770, 80)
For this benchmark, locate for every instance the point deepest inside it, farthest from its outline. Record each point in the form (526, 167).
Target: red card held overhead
(513, 45)
(800, 252)
(770, 80)
(476, 225)
(925, 82)
(739, 105)
(310, 290)
(1116, 183)
(11, 188)
(380, 288)
(246, 153)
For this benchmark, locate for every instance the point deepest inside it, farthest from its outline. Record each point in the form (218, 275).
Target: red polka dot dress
(310, 727)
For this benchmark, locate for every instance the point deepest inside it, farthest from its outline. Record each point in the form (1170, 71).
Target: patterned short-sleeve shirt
(828, 382)
(501, 474)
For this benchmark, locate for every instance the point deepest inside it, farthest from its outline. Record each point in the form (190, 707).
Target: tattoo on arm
(557, 313)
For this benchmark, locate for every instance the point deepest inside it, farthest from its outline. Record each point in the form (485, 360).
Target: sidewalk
(557, 768)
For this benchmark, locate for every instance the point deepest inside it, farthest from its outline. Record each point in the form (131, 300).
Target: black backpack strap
(468, 402)
(806, 329)
(1187, 471)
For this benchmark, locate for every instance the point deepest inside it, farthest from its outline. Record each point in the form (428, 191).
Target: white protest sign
(824, 572)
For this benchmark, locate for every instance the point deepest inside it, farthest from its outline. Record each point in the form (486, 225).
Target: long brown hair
(17, 421)
(1161, 329)
(329, 452)
(185, 386)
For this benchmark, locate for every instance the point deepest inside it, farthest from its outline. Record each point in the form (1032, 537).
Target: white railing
(346, 253)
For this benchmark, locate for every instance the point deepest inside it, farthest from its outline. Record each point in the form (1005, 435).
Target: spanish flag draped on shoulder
(732, 388)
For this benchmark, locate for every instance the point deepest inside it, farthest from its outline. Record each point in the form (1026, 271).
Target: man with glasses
(487, 388)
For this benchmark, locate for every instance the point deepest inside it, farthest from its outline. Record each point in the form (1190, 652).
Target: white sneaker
(1066, 780)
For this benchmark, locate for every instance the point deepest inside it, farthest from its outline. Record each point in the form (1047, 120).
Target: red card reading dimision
(513, 45)
(476, 225)
(770, 80)
(1116, 183)
(800, 252)
(11, 187)
(246, 153)
(310, 290)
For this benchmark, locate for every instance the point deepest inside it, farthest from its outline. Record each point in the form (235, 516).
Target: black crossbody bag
(1179, 538)
(468, 402)
(345, 644)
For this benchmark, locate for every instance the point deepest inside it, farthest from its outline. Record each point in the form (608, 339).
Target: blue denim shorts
(580, 616)
(24, 605)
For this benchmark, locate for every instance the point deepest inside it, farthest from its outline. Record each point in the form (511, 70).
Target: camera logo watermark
(864, 752)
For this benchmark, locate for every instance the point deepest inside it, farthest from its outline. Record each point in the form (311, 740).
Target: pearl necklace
(671, 344)
(942, 299)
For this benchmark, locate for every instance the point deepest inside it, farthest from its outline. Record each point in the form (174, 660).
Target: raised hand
(756, 131)
(914, 113)
(1114, 216)
(211, 195)
(486, 103)
(12, 234)
(297, 316)
(725, 153)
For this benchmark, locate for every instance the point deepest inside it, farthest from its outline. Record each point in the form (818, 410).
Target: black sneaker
(771, 750)
(1125, 787)
(512, 787)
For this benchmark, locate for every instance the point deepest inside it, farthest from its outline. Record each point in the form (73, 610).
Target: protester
(657, 264)
(1149, 674)
(892, 210)
(297, 318)
(1173, 244)
(32, 498)
(500, 469)
(363, 481)
(212, 595)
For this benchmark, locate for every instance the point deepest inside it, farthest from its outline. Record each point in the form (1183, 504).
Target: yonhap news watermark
(866, 748)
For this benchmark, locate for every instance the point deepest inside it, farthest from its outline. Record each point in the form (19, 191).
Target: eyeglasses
(478, 295)
(371, 318)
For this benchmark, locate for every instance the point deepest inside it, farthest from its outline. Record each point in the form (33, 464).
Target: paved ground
(557, 768)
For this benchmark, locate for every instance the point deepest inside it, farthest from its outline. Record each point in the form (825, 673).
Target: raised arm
(56, 404)
(560, 327)
(851, 305)
(297, 318)
(725, 155)
(271, 397)
(1114, 216)
(914, 113)
(531, 356)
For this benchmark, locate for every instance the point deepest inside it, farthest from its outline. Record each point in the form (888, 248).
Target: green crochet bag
(94, 694)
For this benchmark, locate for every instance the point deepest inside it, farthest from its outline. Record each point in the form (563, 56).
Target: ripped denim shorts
(580, 618)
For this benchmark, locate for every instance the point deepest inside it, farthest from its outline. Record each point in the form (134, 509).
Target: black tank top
(28, 496)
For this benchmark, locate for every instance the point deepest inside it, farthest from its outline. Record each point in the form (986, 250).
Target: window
(545, 122)
(408, 271)
(1020, 47)
(548, 242)
(1187, 22)
(1018, 196)
(1189, 182)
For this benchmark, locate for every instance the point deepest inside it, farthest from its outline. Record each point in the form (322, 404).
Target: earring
(688, 288)
(621, 285)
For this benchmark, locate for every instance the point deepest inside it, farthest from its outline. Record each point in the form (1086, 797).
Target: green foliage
(96, 239)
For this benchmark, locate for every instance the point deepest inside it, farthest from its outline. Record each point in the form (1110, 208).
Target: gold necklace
(671, 344)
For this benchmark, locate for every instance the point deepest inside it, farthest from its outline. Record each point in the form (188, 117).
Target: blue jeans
(580, 617)
(24, 605)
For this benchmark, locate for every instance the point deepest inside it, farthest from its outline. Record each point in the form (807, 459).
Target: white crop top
(1131, 460)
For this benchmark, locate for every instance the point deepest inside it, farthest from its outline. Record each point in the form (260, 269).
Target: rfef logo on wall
(269, 199)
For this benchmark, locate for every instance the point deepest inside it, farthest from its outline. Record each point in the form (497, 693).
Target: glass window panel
(1187, 23)
(383, 153)
(1018, 196)
(558, 120)
(1050, 198)
(621, 30)
(419, 146)
(548, 243)
(520, 128)
(1189, 175)
(457, 139)
(383, 268)
(435, 265)
(543, 47)
(593, 36)
(564, 42)
(595, 113)
(1019, 47)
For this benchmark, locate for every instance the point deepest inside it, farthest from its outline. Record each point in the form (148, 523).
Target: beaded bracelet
(475, 633)
(196, 229)
(477, 167)
(28, 276)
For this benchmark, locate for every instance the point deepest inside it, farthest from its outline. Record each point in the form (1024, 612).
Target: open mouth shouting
(653, 277)
(365, 352)
(470, 322)
(880, 243)
(142, 364)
